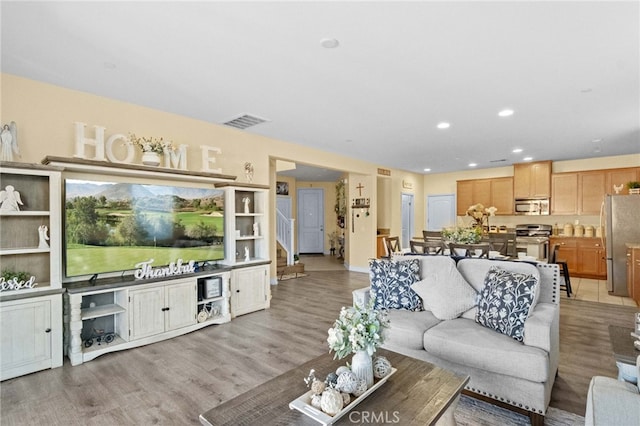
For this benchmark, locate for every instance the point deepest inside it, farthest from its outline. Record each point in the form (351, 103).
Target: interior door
(407, 220)
(441, 211)
(310, 220)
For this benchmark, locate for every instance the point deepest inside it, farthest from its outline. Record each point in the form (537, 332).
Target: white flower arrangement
(149, 144)
(357, 329)
(462, 235)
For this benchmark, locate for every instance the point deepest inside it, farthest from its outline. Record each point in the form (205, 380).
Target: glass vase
(362, 367)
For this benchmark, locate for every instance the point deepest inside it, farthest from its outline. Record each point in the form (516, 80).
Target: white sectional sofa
(518, 375)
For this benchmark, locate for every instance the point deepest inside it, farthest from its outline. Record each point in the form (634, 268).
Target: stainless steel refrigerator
(621, 216)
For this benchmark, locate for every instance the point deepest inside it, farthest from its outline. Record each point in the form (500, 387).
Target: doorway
(310, 220)
(441, 212)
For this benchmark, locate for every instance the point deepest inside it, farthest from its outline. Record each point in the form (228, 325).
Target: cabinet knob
(48, 330)
(238, 291)
(165, 309)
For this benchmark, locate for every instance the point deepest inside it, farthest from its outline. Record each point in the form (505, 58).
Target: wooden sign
(384, 172)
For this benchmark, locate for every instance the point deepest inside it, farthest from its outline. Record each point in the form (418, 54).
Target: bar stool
(564, 269)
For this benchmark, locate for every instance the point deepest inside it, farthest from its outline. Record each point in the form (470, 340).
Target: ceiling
(568, 70)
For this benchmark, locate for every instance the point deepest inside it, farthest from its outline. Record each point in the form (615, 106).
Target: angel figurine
(10, 200)
(42, 232)
(9, 142)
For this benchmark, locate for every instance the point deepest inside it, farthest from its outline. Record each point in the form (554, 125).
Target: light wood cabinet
(497, 192)
(532, 180)
(591, 191)
(249, 290)
(564, 199)
(585, 256)
(617, 178)
(633, 273)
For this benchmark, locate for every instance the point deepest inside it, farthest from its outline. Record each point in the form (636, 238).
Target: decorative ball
(331, 379)
(347, 382)
(315, 401)
(331, 402)
(346, 399)
(342, 369)
(317, 387)
(381, 367)
(360, 389)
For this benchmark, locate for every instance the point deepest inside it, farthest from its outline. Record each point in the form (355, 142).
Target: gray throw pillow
(444, 291)
(505, 301)
(391, 284)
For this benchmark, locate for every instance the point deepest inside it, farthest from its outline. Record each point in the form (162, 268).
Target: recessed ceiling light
(505, 113)
(443, 125)
(517, 150)
(472, 164)
(329, 43)
(427, 170)
(527, 159)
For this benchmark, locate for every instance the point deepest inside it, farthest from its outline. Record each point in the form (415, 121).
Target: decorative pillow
(505, 301)
(391, 284)
(445, 292)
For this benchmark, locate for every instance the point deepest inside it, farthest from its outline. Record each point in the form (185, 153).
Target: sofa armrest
(612, 402)
(541, 328)
(361, 296)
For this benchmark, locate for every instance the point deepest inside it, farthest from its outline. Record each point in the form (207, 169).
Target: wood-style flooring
(172, 382)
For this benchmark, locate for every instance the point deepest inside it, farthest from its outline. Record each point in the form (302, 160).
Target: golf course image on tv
(111, 227)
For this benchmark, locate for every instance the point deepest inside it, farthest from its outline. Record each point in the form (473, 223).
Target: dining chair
(564, 268)
(393, 246)
(426, 247)
(470, 250)
(432, 235)
(505, 243)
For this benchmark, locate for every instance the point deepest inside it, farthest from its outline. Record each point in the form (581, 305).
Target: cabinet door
(591, 189)
(146, 312)
(481, 192)
(464, 196)
(588, 261)
(541, 179)
(564, 196)
(25, 338)
(521, 180)
(618, 178)
(567, 252)
(181, 300)
(630, 276)
(502, 195)
(249, 289)
(636, 275)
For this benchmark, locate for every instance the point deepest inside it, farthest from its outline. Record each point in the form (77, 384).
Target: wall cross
(360, 187)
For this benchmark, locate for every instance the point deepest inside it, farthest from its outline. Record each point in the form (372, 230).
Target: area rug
(473, 412)
(291, 276)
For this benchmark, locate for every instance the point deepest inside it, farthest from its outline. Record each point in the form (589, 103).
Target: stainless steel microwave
(532, 206)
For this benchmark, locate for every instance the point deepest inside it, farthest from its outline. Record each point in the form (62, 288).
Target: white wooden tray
(303, 403)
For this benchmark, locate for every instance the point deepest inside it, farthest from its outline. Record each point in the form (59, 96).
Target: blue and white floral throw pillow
(391, 284)
(505, 300)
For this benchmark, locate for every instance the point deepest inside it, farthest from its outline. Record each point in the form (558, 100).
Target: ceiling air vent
(498, 161)
(244, 121)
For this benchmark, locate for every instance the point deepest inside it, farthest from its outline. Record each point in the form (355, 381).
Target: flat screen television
(110, 226)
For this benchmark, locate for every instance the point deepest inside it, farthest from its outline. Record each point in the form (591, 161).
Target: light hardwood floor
(172, 382)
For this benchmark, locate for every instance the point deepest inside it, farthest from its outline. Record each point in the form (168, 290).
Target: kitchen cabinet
(564, 198)
(532, 180)
(585, 256)
(633, 271)
(618, 178)
(497, 192)
(591, 191)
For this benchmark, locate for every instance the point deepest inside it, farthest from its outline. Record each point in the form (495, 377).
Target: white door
(407, 220)
(181, 301)
(25, 338)
(311, 220)
(147, 315)
(441, 211)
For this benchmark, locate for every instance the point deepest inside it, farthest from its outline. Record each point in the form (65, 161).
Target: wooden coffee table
(418, 393)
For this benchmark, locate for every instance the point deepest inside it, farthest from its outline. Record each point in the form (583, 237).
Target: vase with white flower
(152, 148)
(358, 330)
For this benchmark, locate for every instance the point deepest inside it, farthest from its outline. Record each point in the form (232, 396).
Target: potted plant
(296, 259)
(634, 187)
(151, 148)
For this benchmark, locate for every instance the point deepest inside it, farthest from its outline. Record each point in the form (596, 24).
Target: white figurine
(246, 201)
(256, 229)
(9, 199)
(42, 231)
(9, 141)
(246, 254)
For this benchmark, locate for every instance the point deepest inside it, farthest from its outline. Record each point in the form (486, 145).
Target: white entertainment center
(119, 312)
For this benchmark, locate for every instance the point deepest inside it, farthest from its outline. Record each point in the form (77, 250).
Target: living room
(255, 347)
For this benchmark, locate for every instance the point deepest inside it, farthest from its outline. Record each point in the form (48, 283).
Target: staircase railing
(284, 234)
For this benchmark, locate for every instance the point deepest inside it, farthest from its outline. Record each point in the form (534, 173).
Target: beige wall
(45, 115)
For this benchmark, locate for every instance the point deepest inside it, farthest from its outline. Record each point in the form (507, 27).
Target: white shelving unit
(31, 318)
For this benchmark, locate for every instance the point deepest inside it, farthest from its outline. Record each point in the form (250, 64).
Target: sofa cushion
(465, 342)
(505, 301)
(406, 328)
(444, 291)
(391, 284)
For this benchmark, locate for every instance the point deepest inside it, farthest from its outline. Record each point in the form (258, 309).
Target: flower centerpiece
(358, 330)
(151, 148)
(479, 214)
(462, 235)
